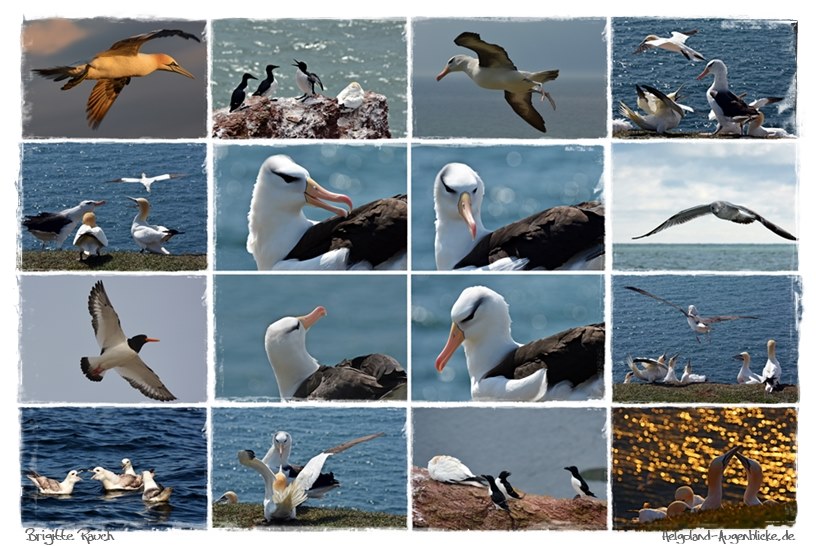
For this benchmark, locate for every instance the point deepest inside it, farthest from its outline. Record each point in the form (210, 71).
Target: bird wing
(102, 96)
(681, 37)
(351, 443)
(104, 319)
(723, 318)
(46, 221)
(680, 218)
(770, 225)
(490, 55)
(130, 46)
(645, 293)
(760, 103)
(307, 477)
(143, 379)
(522, 104)
(666, 101)
(732, 105)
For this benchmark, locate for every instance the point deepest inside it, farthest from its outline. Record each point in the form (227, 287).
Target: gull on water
(50, 486)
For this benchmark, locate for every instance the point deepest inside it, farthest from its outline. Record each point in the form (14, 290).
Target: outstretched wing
(658, 298)
(490, 55)
(680, 218)
(130, 46)
(104, 319)
(102, 97)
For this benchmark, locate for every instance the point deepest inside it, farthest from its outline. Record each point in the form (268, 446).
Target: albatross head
(292, 187)
(457, 63)
(283, 445)
(285, 343)
(715, 67)
(458, 195)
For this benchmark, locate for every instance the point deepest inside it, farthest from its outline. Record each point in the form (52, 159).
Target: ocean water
(372, 474)
(678, 257)
(540, 306)
(519, 181)
(521, 441)
(58, 176)
(170, 440)
(760, 56)
(364, 173)
(372, 52)
(643, 326)
(456, 107)
(356, 324)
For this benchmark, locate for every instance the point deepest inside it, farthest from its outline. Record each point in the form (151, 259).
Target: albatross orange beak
(703, 74)
(466, 212)
(315, 192)
(455, 338)
(442, 74)
(308, 320)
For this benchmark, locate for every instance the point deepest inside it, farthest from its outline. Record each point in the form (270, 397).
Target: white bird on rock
(447, 469)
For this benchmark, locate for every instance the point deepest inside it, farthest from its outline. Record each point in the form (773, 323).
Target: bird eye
(288, 178)
(470, 316)
(294, 328)
(447, 188)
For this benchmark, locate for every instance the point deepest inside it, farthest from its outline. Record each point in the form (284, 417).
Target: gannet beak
(442, 74)
(727, 456)
(175, 67)
(737, 357)
(466, 212)
(308, 320)
(315, 192)
(743, 460)
(455, 338)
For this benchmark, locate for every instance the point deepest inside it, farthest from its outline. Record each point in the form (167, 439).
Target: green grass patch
(715, 393)
(247, 516)
(68, 260)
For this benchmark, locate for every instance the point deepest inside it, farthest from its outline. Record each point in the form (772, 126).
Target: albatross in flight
(299, 375)
(113, 69)
(563, 237)
(564, 366)
(723, 210)
(119, 352)
(494, 70)
(698, 324)
(372, 236)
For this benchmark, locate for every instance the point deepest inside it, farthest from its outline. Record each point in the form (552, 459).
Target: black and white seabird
(50, 486)
(447, 469)
(494, 70)
(578, 484)
(118, 352)
(147, 181)
(239, 94)
(565, 366)
(676, 43)
(147, 236)
(729, 109)
(497, 497)
(89, 237)
(299, 375)
(154, 492)
(57, 226)
(723, 210)
(661, 111)
(504, 485)
(268, 86)
(564, 237)
(114, 68)
(772, 372)
(699, 325)
(373, 236)
(306, 80)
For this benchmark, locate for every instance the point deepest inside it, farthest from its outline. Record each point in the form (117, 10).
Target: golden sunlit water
(656, 450)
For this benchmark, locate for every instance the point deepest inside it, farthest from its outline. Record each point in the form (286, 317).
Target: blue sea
(699, 257)
(540, 306)
(373, 53)
(373, 474)
(533, 444)
(58, 176)
(519, 181)
(364, 173)
(760, 56)
(170, 440)
(356, 324)
(646, 327)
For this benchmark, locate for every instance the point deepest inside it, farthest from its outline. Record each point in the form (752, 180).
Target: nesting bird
(149, 237)
(239, 94)
(89, 237)
(352, 97)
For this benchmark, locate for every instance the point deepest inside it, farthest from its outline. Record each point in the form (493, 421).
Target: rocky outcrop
(316, 117)
(439, 505)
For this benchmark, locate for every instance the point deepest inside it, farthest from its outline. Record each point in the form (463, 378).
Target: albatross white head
(276, 220)
(458, 195)
(285, 343)
(279, 451)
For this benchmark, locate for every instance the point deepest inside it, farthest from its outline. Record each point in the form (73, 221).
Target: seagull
(154, 493)
(306, 80)
(563, 237)
(116, 482)
(730, 110)
(127, 467)
(772, 372)
(300, 376)
(278, 457)
(578, 484)
(148, 236)
(686, 494)
(745, 375)
(504, 485)
(57, 226)
(698, 324)
(50, 486)
(689, 377)
(447, 469)
(676, 43)
(723, 210)
(118, 352)
(352, 97)
(713, 500)
(114, 68)
(373, 236)
(753, 471)
(239, 94)
(89, 237)
(653, 370)
(147, 181)
(269, 86)
(662, 112)
(566, 365)
(494, 70)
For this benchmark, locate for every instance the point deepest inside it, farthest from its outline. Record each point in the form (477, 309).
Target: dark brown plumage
(368, 377)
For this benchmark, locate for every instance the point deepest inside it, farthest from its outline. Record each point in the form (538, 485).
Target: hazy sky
(651, 182)
(56, 332)
(162, 104)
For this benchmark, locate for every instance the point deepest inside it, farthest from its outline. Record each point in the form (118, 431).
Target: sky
(56, 332)
(653, 181)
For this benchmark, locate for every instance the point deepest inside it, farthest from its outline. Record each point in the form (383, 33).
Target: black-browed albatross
(57, 226)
